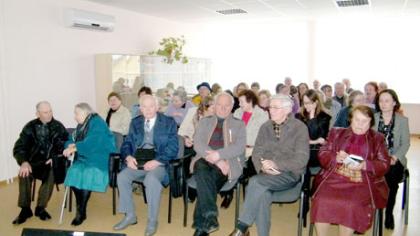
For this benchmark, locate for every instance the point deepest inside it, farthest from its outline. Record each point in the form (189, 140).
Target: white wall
(41, 59)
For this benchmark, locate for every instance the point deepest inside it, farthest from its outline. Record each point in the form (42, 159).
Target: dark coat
(28, 148)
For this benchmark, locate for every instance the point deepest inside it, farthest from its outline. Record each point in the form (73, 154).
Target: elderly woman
(179, 106)
(355, 98)
(351, 184)
(264, 99)
(394, 126)
(118, 117)
(194, 115)
(317, 121)
(91, 144)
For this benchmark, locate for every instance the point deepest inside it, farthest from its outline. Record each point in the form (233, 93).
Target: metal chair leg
(144, 193)
(70, 200)
(185, 205)
(114, 201)
(407, 197)
(238, 198)
(33, 189)
(301, 202)
(170, 205)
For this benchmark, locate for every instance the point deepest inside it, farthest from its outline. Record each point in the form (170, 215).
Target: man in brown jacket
(280, 156)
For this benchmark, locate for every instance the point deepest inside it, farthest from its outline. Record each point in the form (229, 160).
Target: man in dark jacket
(40, 140)
(150, 145)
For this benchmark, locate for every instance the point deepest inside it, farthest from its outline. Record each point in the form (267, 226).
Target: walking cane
(66, 192)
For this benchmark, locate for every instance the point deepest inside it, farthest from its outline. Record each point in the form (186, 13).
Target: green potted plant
(171, 50)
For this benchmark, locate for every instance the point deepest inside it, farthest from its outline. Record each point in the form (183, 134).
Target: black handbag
(142, 156)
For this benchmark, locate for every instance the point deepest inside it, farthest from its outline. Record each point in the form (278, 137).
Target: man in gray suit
(280, 156)
(219, 142)
(151, 143)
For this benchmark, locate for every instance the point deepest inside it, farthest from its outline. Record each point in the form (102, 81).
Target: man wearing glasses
(280, 156)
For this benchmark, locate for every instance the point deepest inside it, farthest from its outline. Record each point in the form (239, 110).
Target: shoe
(237, 232)
(227, 200)
(150, 229)
(199, 232)
(42, 213)
(389, 222)
(127, 221)
(24, 214)
(78, 220)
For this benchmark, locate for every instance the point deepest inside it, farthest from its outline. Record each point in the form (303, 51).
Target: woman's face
(240, 88)
(79, 116)
(210, 110)
(370, 92)
(358, 100)
(177, 102)
(328, 92)
(360, 123)
(264, 101)
(302, 89)
(309, 105)
(386, 102)
(114, 103)
(246, 106)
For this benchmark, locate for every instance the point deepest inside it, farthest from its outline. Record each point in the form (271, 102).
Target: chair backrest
(119, 139)
(181, 147)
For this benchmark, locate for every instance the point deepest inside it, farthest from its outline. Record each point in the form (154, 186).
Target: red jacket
(377, 162)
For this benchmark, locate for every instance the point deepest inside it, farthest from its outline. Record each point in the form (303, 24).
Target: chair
(226, 187)
(297, 193)
(406, 194)
(174, 165)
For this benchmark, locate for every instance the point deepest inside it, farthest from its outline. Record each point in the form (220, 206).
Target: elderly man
(151, 143)
(340, 94)
(280, 155)
(219, 142)
(41, 140)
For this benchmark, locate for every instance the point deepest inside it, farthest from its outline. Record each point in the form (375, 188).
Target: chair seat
(289, 195)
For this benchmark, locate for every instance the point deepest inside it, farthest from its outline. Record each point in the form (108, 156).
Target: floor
(100, 218)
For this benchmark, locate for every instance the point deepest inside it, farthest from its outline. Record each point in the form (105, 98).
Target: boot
(389, 221)
(81, 199)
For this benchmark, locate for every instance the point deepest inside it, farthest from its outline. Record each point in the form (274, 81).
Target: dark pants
(44, 193)
(209, 181)
(393, 178)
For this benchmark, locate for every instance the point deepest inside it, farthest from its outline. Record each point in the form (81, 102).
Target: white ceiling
(199, 10)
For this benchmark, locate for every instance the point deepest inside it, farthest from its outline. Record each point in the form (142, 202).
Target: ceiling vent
(232, 11)
(351, 3)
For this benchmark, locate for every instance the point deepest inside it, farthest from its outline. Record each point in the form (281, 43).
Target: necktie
(147, 126)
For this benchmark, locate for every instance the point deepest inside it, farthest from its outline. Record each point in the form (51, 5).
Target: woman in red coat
(348, 192)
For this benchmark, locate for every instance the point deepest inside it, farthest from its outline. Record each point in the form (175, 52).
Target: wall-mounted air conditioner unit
(88, 20)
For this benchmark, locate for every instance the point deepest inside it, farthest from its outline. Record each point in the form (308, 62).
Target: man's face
(339, 90)
(223, 106)
(44, 113)
(278, 112)
(149, 108)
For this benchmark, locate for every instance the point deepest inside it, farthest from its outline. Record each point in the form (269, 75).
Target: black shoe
(200, 233)
(78, 220)
(24, 214)
(389, 222)
(42, 213)
(227, 200)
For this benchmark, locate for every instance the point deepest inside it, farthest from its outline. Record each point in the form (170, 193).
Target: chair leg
(406, 198)
(113, 201)
(144, 193)
(170, 205)
(380, 222)
(33, 189)
(238, 198)
(185, 205)
(70, 200)
(56, 187)
(301, 202)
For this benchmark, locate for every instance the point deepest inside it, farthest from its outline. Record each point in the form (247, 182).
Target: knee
(123, 178)
(152, 181)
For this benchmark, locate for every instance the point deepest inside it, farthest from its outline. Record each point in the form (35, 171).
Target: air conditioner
(88, 20)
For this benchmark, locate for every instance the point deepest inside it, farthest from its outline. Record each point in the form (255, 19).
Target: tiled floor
(100, 218)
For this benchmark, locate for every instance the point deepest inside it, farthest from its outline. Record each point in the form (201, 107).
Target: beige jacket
(120, 120)
(258, 117)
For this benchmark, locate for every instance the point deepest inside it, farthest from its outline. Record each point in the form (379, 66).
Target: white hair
(85, 108)
(224, 94)
(39, 104)
(148, 96)
(285, 100)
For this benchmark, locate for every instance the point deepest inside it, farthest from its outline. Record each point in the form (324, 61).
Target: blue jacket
(165, 138)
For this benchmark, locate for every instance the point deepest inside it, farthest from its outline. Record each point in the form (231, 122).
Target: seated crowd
(354, 142)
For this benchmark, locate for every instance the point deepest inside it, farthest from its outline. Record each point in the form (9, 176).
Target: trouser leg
(125, 179)
(393, 178)
(209, 180)
(45, 191)
(153, 183)
(25, 186)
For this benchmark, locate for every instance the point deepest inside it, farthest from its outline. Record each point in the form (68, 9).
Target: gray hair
(285, 100)
(39, 104)
(224, 94)
(146, 97)
(181, 94)
(85, 108)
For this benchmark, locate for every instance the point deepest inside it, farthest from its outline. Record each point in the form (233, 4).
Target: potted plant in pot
(171, 50)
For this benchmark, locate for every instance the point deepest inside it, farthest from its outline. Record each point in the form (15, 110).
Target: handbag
(144, 155)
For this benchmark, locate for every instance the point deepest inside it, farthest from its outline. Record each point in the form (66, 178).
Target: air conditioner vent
(351, 3)
(232, 11)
